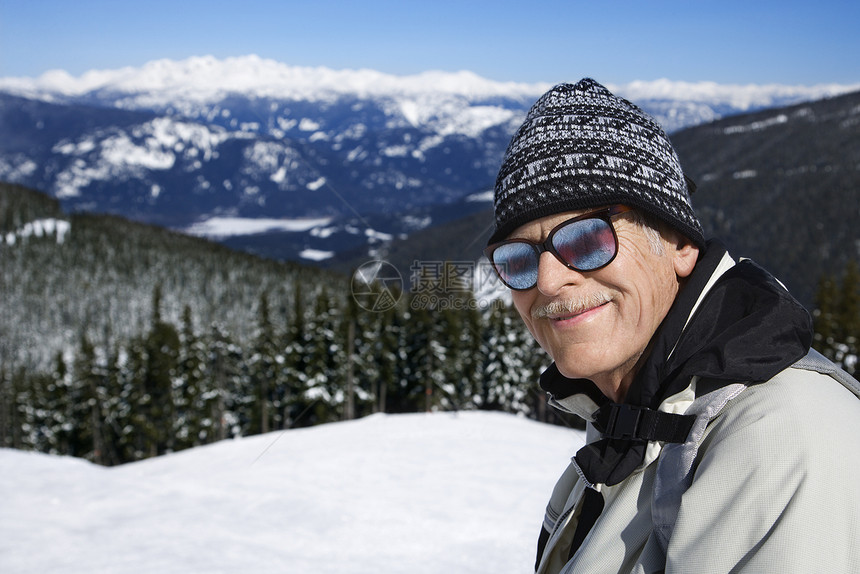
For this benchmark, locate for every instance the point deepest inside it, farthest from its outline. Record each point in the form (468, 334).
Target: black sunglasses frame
(605, 213)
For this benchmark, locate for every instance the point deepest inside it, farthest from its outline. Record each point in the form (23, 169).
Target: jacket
(738, 450)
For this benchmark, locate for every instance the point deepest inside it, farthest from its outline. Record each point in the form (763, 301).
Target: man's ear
(684, 256)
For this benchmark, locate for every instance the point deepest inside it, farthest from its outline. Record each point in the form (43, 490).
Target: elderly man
(717, 440)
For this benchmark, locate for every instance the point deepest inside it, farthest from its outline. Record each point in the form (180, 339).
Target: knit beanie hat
(581, 147)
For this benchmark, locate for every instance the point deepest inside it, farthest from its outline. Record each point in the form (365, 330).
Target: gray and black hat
(580, 147)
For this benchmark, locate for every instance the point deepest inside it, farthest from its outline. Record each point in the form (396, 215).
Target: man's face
(597, 325)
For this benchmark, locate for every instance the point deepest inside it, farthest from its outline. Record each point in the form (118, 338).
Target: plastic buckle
(624, 421)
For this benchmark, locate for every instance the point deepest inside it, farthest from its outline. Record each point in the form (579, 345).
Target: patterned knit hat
(581, 147)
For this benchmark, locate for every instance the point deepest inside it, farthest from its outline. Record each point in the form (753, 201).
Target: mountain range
(295, 163)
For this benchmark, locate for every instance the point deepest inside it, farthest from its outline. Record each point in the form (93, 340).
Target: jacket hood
(746, 329)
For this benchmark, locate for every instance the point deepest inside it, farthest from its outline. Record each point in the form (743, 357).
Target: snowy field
(439, 493)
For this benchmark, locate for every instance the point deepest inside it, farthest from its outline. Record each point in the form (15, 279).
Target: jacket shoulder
(797, 407)
(777, 463)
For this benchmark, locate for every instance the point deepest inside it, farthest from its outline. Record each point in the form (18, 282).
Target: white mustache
(570, 306)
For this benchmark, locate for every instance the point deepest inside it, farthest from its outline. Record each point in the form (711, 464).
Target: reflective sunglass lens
(586, 244)
(582, 244)
(517, 264)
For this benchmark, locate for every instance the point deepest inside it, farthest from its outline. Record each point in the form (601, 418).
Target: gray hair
(653, 229)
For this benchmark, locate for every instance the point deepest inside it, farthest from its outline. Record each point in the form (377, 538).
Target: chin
(574, 370)
(579, 361)
(602, 378)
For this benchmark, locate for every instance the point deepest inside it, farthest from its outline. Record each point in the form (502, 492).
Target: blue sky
(617, 41)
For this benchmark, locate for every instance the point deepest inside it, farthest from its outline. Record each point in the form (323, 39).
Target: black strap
(629, 422)
(592, 506)
(541, 545)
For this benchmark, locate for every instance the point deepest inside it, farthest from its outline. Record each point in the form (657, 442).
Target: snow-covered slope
(454, 493)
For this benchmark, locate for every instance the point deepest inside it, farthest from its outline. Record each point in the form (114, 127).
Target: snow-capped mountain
(328, 160)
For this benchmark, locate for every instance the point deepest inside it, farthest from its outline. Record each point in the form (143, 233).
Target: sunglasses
(584, 243)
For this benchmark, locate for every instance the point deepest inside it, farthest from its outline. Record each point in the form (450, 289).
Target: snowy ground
(440, 493)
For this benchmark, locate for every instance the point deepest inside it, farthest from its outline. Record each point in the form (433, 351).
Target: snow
(308, 125)
(742, 97)
(17, 167)
(230, 226)
(472, 121)
(421, 493)
(445, 103)
(416, 223)
(316, 184)
(744, 174)
(395, 151)
(39, 228)
(756, 126)
(279, 176)
(206, 78)
(316, 254)
(375, 235)
(446, 113)
(49, 226)
(483, 196)
(324, 232)
(120, 153)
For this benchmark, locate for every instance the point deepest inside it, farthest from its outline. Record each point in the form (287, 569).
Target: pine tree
(825, 315)
(323, 394)
(17, 391)
(379, 355)
(113, 410)
(188, 396)
(352, 358)
(6, 406)
(371, 360)
(82, 408)
(34, 411)
(513, 363)
(290, 394)
(462, 331)
(263, 370)
(224, 402)
(160, 376)
(131, 418)
(849, 313)
(422, 385)
(837, 318)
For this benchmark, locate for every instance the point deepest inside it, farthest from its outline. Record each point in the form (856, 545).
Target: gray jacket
(766, 479)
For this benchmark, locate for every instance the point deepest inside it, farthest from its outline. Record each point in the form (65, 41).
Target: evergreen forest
(123, 341)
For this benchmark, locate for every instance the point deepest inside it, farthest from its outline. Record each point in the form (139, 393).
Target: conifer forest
(124, 341)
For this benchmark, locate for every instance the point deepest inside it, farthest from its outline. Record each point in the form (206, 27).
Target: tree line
(177, 386)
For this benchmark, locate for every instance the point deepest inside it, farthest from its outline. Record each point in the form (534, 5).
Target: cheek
(642, 284)
(655, 292)
(523, 304)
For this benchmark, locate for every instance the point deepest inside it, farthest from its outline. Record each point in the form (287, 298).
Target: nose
(553, 275)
